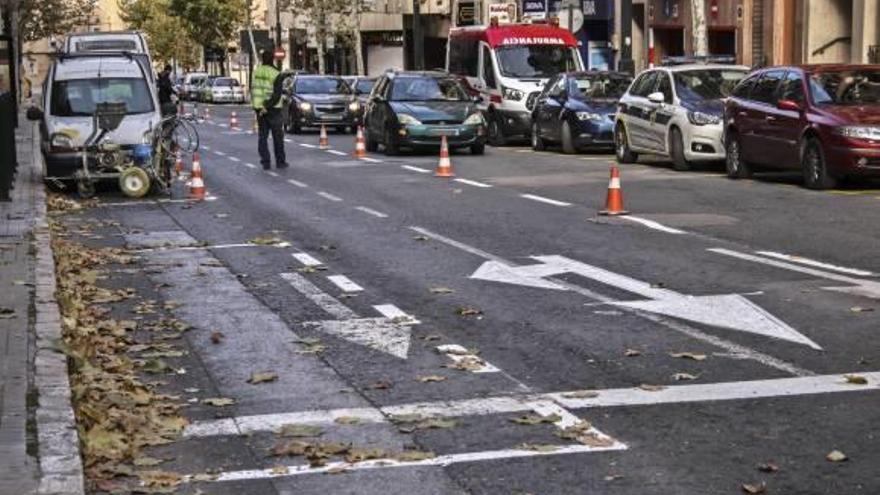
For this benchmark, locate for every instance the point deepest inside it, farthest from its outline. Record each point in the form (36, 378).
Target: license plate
(443, 132)
(331, 116)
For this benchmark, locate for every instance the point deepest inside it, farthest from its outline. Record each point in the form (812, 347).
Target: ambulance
(506, 66)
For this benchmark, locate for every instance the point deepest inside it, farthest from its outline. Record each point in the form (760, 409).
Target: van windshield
(79, 97)
(536, 61)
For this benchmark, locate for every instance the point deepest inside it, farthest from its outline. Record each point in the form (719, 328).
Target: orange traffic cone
(614, 201)
(444, 166)
(323, 142)
(178, 163)
(196, 184)
(360, 148)
(233, 121)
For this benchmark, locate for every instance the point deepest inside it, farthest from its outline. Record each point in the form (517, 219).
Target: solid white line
(392, 312)
(818, 264)
(651, 224)
(371, 211)
(218, 246)
(307, 259)
(235, 159)
(154, 202)
(472, 183)
(250, 165)
(218, 152)
(271, 173)
(335, 152)
(787, 266)
(460, 245)
(245, 425)
(371, 160)
(542, 199)
(297, 183)
(329, 196)
(324, 301)
(345, 283)
(416, 169)
(305, 145)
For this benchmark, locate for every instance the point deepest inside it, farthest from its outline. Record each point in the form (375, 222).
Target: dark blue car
(576, 110)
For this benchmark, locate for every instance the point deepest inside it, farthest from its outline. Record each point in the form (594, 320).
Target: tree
(698, 16)
(211, 23)
(44, 18)
(168, 37)
(336, 19)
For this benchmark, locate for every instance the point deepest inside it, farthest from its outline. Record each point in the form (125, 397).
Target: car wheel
(369, 143)
(496, 135)
(478, 149)
(621, 146)
(537, 142)
(815, 168)
(676, 145)
(567, 141)
(392, 146)
(737, 168)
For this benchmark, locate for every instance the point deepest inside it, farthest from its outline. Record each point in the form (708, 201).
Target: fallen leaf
(465, 311)
(651, 388)
(836, 456)
(7, 313)
(421, 238)
(147, 461)
(358, 454)
(535, 419)
(262, 378)
(754, 488)
(203, 477)
(217, 337)
(768, 467)
(295, 447)
(297, 430)
(441, 290)
(856, 379)
(218, 401)
(688, 355)
(860, 309)
(431, 378)
(337, 470)
(432, 337)
(381, 385)
(160, 479)
(613, 477)
(581, 394)
(279, 470)
(632, 353)
(265, 241)
(683, 377)
(347, 420)
(538, 447)
(156, 366)
(414, 456)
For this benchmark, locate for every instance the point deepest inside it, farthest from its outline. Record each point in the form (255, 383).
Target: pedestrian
(269, 115)
(166, 92)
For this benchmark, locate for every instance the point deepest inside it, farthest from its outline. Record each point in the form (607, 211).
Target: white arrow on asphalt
(381, 334)
(731, 311)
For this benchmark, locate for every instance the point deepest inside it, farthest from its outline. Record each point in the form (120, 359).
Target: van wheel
(537, 141)
(737, 168)
(567, 142)
(815, 168)
(496, 136)
(676, 145)
(621, 146)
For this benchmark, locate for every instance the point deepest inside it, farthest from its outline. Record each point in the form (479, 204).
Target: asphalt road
(551, 310)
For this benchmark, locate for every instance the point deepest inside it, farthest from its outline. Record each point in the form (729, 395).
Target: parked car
(415, 109)
(224, 90)
(203, 89)
(676, 112)
(577, 110)
(823, 120)
(320, 100)
(361, 86)
(191, 82)
(74, 86)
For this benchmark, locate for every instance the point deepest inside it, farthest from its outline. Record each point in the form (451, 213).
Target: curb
(59, 456)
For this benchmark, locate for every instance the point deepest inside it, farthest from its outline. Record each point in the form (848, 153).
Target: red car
(821, 119)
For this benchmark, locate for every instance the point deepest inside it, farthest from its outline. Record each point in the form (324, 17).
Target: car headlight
(475, 119)
(406, 119)
(700, 118)
(589, 116)
(859, 132)
(305, 106)
(354, 106)
(62, 141)
(512, 94)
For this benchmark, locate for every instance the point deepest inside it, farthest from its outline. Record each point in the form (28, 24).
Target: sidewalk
(39, 448)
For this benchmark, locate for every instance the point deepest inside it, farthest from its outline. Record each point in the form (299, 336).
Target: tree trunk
(358, 42)
(701, 43)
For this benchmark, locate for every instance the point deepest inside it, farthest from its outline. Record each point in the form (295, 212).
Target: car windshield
(854, 87)
(196, 81)
(600, 87)
(79, 97)
(535, 61)
(427, 89)
(226, 82)
(364, 86)
(706, 84)
(322, 85)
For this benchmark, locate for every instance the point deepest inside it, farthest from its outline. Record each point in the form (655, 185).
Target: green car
(416, 109)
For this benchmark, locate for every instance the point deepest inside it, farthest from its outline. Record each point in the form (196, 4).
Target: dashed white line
(392, 312)
(297, 183)
(651, 224)
(336, 152)
(416, 169)
(371, 160)
(250, 165)
(329, 196)
(818, 264)
(473, 183)
(235, 159)
(271, 173)
(218, 152)
(371, 211)
(205, 147)
(307, 259)
(306, 145)
(345, 283)
(288, 140)
(542, 199)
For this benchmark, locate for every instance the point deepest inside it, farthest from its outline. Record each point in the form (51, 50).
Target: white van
(508, 65)
(76, 83)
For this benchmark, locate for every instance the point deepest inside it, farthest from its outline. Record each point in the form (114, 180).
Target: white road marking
(213, 247)
(205, 147)
(730, 311)
(345, 283)
(246, 425)
(651, 224)
(329, 196)
(730, 347)
(288, 140)
(218, 152)
(818, 264)
(307, 259)
(472, 183)
(250, 165)
(390, 336)
(271, 173)
(542, 199)
(306, 145)
(297, 183)
(336, 152)
(416, 169)
(371, 160)
(317, 296)
(860, 287)
(371, 211)
(234, 159)
(394, 313)
(209, 197)
(459, 353)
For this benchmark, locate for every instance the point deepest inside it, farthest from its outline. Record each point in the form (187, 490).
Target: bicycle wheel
(185, 136)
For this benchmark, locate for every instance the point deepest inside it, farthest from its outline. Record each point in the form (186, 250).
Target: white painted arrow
(731, 311)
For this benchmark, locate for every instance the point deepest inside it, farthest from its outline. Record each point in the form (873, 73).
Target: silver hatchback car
(676, 112)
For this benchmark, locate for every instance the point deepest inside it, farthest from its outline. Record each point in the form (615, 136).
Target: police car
(676, 112)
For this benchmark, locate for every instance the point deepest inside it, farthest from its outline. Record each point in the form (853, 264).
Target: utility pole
(417, 39)
(626, 63)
